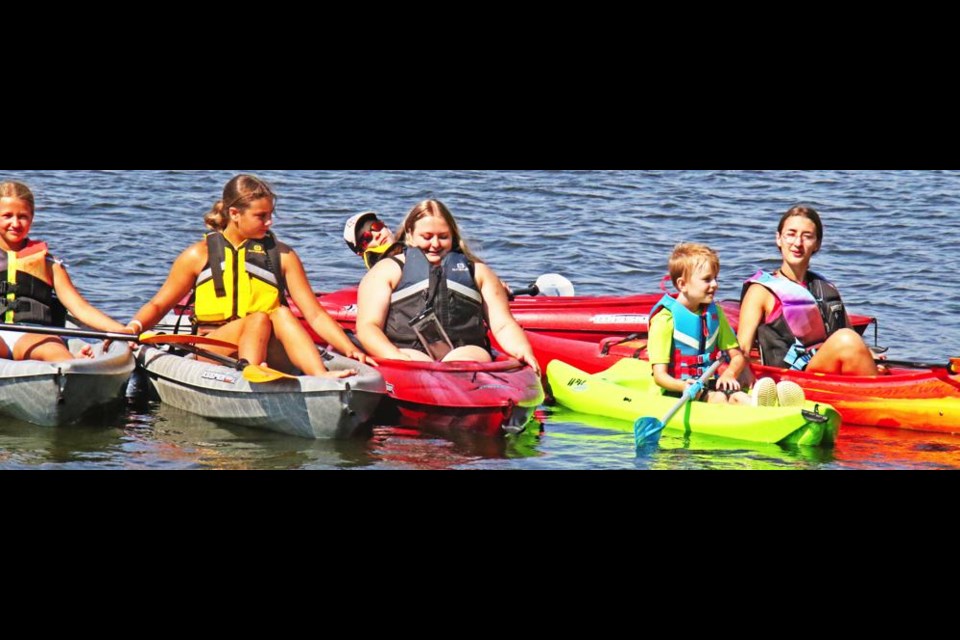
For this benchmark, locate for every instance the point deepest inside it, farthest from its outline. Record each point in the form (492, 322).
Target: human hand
(728, 383)
(694, 388)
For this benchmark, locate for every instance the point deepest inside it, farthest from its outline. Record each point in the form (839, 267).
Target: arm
(756, 304)
(503, 325)
(659, 343)
(730, 377)
(314, 314)
(373, 305)
(727, 342)
(666, 381)
(182, 277)
(77, 305)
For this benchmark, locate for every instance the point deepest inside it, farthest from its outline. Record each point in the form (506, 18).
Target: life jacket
(809, 315)
(26, 286)
(695, 336)
(238, 281)
(448, 288)
(373, 255)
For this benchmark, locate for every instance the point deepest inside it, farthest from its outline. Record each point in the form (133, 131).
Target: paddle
(953, 366)
(251, 372)
(549, 284)
(646, 431)
(144, 338)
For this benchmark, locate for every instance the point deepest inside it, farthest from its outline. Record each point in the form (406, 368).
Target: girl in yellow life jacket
(241, 274)
(35, 287)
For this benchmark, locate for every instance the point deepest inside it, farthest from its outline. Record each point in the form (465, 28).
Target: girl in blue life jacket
(797, 317)
(690, 332)
(241, 274)
(35, 287)
(436, 301)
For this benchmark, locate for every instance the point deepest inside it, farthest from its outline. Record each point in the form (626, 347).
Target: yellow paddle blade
(256, 373)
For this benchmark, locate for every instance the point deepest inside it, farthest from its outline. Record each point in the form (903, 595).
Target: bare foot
(86, 351)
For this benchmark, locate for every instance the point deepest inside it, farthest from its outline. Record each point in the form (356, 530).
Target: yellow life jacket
(238, 281)
(26, 286)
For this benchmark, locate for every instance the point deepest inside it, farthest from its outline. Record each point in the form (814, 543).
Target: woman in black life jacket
(436, 277)
(35, 286)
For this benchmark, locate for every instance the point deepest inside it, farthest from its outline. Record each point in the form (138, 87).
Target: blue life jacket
(695, 336)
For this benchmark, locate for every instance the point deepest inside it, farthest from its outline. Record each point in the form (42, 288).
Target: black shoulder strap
(272, 246)
(215, 248)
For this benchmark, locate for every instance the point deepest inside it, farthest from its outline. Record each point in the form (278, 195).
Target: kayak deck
(606, 394)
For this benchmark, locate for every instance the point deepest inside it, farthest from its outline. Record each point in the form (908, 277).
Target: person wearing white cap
(369, 237)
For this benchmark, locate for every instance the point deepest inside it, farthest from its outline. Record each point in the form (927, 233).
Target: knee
(848, 339)
(256, 320)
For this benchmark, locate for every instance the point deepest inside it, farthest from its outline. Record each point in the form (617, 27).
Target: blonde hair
(240, 192)
(434, 209)
(687, 257)
(13, 189)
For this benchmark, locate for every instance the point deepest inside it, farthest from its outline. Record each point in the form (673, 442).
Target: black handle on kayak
(532, 290)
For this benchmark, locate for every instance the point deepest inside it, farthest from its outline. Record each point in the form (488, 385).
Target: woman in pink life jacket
(795, 315)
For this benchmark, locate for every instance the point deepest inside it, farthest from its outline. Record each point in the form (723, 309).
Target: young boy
(688, 333)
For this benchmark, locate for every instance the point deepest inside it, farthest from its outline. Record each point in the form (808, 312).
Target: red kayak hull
(489, 398)
(588, 318)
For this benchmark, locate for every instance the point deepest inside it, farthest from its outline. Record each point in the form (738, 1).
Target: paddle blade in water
(256, 373)
(646, 432)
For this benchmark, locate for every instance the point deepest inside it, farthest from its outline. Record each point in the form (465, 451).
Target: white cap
(350, 229)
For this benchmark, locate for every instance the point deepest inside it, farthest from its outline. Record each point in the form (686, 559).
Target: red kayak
(581, 317)
(588, 318)
(924, 399)
(489, 398)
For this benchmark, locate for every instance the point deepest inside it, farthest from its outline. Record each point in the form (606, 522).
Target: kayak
(926, 399)
(917, 399)
(483, 397)
(307, 406)
(58, 393)
(626, 391)
(699, 445)
(587, 318)
(583, 317)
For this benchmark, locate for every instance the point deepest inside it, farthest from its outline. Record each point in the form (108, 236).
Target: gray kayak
(57, 393)
(308, 406)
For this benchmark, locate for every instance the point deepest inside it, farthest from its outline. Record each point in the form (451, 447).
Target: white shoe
(764, 393)
(789, 394)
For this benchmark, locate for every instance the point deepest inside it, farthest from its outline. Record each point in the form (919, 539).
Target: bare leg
(844, 353)
(417, 356)
(468, 354)
(300, 348)
(41, 347)
(251, 335)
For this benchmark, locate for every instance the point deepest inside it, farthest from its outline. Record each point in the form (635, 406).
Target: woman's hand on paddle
(134, 328)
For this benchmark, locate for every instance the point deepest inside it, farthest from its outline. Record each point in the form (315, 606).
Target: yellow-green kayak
(626, 391)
